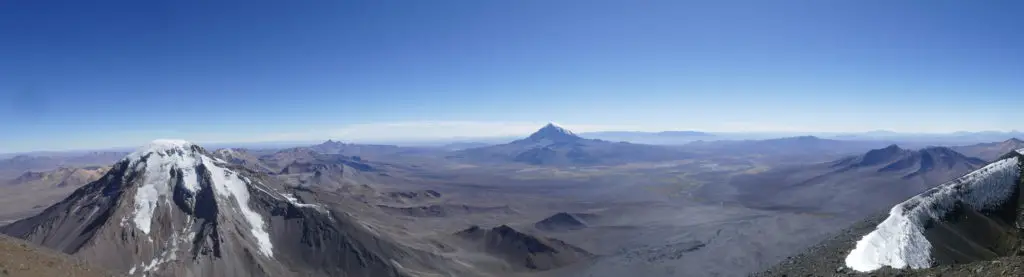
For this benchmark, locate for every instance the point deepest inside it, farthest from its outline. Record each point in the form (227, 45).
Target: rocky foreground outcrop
(971, 226)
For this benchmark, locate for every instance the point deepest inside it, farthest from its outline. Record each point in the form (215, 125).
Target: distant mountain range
(19, 164)
(991, 151)
(855, 185)
(665, 137)
(792, 148)
(368, 150)
(682, 137)
(32, 191)
(954, 137)
(554, 145)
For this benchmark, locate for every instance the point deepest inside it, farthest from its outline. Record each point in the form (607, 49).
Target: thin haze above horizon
(78, 75)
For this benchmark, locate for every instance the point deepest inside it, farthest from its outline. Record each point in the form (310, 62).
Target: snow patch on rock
(228, 184)
(899, 241)
(295, 201)
(157, 160)
(160, 159)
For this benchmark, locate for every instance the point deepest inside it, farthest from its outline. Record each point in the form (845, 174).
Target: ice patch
(132, 271)
(228, 184)
(161, 157)
(295, 201)
(899, 241)
(170, 253)
(157, 160)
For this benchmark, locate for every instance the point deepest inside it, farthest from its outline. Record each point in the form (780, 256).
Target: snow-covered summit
(557, 127)
(554, 132)
(900, 241)
(165, 147)
(167, 166)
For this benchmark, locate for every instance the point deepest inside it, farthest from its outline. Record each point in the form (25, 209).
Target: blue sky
(119, 73)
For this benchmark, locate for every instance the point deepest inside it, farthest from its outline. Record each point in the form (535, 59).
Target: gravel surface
(22, 259)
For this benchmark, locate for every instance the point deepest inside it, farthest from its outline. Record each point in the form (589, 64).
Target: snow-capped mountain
(172, 209)
(553, 133)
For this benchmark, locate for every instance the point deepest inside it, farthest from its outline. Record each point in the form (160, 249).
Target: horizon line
(465, 139)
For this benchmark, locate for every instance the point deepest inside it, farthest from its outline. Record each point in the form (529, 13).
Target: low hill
(522, 250)
(562, 222)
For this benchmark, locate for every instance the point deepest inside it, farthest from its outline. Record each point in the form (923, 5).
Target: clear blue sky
(117, 73)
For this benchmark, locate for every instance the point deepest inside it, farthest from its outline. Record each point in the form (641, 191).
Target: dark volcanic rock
(561, 222)
(523, 250)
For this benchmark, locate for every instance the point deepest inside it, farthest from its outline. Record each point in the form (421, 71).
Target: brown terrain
(33, 191)
(22, 259)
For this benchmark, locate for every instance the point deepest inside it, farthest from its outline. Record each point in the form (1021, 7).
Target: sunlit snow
(227, 184)
(560, 128)
(899, 241)
(159, 158)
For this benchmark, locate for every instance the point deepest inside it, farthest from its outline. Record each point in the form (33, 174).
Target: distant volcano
(554, 133)
(556, 146)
